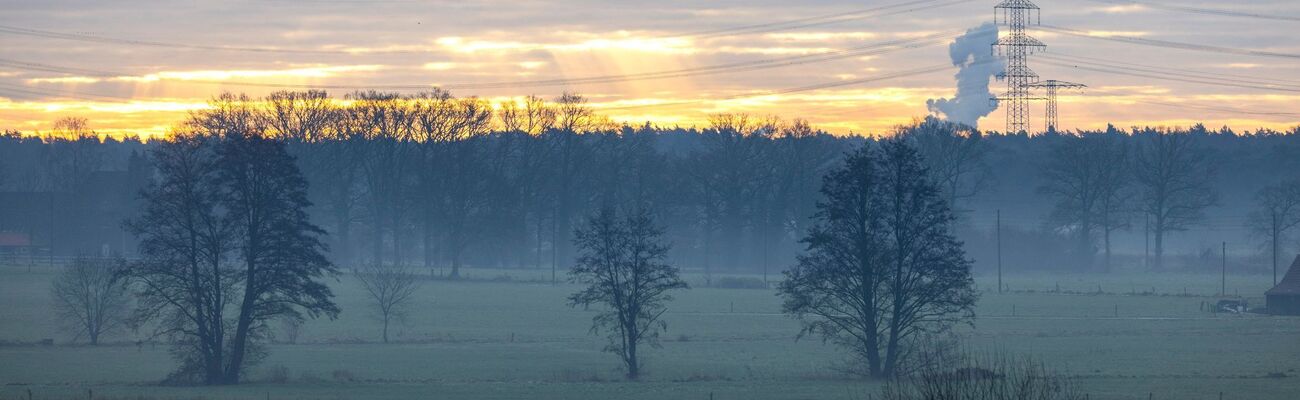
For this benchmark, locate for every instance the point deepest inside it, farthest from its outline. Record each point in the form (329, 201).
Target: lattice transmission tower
(1051, 86)
(1016, 46)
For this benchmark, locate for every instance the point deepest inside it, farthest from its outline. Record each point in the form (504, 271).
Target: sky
(848, 67)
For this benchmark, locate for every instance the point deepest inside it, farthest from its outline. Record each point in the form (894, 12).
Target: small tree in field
(389, 288)
(91, 298)
(881, 268)
(622, 262)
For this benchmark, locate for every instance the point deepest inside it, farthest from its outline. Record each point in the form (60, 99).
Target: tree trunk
(1159, 248)
(1107, 244)
(873, 353)
(385, 328)
(343, 249)
(633, 366)
(455, 265)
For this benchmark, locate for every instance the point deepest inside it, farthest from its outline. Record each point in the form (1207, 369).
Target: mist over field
(710, 201)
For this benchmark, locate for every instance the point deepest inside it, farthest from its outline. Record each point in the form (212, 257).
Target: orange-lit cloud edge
(159, 100)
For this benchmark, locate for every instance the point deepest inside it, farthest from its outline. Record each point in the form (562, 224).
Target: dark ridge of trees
(441, 182)
(882, 267)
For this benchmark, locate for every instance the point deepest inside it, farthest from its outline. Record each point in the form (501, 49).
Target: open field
(503, 340)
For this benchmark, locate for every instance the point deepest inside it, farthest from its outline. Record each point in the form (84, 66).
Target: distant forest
(440, 182)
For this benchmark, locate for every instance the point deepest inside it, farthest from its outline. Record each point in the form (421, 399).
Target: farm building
(1284, 299)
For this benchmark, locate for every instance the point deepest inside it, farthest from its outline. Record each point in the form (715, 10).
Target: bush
(343, 375)
(993, 378)
(733, 282)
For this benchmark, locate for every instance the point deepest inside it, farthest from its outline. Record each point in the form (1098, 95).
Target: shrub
(343, 375)
(998, 377)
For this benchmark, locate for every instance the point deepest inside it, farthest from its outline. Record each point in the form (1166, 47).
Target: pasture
(510, 335)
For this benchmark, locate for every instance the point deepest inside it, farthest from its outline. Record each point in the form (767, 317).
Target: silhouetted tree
(1173, 179)
(622, 262)
(1277, 213)
(91, 297)
(384, 123)
(955, 155)
(389, 288)
(278, 250)
(729, 172)
(881, 265)
(226, 244)
(532, 117)
(184, 281)
(75, 155)
(1088, 175)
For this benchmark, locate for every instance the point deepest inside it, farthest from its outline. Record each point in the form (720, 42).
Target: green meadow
(509, 335)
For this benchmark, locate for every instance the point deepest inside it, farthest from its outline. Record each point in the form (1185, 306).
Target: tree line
(439, 182)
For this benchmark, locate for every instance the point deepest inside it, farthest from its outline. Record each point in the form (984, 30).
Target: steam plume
(972, 53)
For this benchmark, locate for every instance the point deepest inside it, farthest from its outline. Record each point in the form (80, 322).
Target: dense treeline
(440, 182)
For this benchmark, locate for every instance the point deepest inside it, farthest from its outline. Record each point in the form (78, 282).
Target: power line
(901, 74)
(1165, 75)
(61, 93)
(859, 51)
(1170, 44)
(873, 49)
(915, 5)
(1218, 109)
(817, 20)
(1184, 70)
(1198, 10)
(150, 43)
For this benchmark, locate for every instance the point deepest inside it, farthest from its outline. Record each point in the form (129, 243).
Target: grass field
(501, 339)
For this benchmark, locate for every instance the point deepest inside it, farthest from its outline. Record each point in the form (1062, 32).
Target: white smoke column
(973, 53)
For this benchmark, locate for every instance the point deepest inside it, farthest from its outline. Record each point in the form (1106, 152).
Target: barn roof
(14, 239)
(1290, 284)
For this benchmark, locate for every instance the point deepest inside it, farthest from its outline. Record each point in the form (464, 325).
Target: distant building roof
(1290, 284)
(14, 239)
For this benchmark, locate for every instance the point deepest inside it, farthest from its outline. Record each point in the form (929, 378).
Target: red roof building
(15, 239)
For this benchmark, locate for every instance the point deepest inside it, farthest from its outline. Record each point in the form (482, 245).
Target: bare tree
(882, 266)
(572, 114)
(1088, 175)
(184, 283)
(390, 288)
(91, 298)
(226, 243)
(302, 117)
(1277, 213)
(1173, 180)
(383, 122)
(75, 155)
(622, 263)
(532, 117)
(955, 156)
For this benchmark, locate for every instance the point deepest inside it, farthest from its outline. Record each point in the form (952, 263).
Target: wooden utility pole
(1223, 272)
(1275, 234)
(999, 238)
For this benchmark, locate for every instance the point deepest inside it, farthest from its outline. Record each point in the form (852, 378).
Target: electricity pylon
(1051, 86)
(1016, 47)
